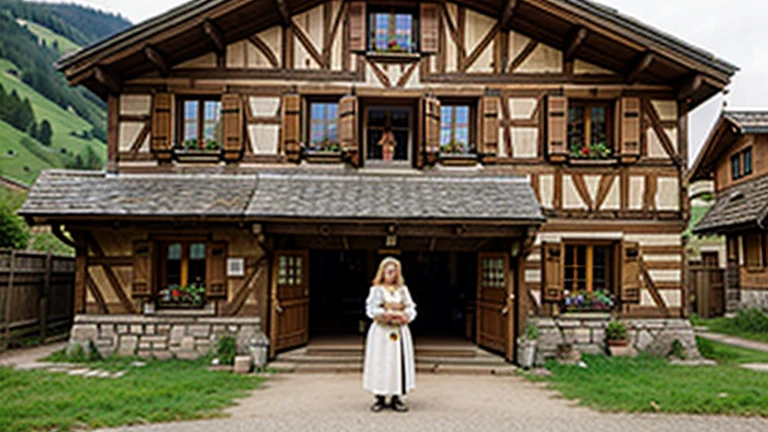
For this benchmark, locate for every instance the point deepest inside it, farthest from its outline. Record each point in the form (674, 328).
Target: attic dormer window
(393, 30)
(200, 124)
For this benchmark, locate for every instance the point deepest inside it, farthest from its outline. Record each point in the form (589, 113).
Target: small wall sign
(236, 267)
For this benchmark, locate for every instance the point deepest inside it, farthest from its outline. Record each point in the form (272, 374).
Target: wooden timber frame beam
(215, 35)
(574, 41)
(641, 63)
(107, 79)
(508, 13)
(158, 59)
(285, 12)
(690, 86)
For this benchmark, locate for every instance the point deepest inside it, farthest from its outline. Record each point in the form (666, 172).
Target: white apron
(389, 367)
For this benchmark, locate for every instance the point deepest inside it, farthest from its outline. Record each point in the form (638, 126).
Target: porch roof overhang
(285, 196)
(741, 207)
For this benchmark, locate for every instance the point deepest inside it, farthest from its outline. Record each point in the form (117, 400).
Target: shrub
(226, 350)
(616, 330)
(531, 331)
(13, 230)
(677, 350)
(752, 320)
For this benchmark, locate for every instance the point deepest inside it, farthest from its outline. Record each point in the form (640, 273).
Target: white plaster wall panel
(655, 149)
(273, 38)
(301, 58)
(353, 62)
(337, 51)
(740, 247)
(204, 61)
(525, 142)
(656, 239)
(484, 62)
(556, 237)
(667, 194)
(547, 190)
(662, 258)
(502, 152)
(669, 276)
(236, 55)
(672, 134)
(453, 11)
(672, 298)
(646, 299)
(534, 257)
(571, 197)
(636, 192)
(667, 109)
(264, 106)
(593, 184)
(128, 133)
(536, 294)
(584, 68)
(517, 43)
(450, 52)
(135, 104)
(311, 24)
(613, 198)
(370, 77)
(414, 80)
(533, 276)
(477, 26)
(254, 58)
(544, 59)
(522, 108)
(264, 138)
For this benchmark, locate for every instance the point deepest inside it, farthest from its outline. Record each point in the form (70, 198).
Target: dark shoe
(379, 404)
(398, 404)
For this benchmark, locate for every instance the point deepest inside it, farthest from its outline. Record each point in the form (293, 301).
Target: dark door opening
(340, 284)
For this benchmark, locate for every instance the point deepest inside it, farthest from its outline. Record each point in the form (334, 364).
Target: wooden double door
(290, 301)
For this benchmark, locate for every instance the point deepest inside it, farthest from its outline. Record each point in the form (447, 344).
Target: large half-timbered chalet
(515, 154)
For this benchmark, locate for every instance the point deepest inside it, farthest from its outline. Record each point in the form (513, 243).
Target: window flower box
(193, 151)
(182, 297)
(394, 56)
(585, 301)
(326, 152)
(458, 159)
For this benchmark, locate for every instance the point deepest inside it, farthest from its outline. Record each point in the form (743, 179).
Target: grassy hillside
(63, 123)
(49, 37)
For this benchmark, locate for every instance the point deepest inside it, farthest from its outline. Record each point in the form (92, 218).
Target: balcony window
(589, 130)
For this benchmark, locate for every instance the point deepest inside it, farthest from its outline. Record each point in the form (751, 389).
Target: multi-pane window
(201, 125)
(323, 129)
(454, 129)
(290, 270)
(393, 31)
(589, 130)
(741, 164)
(735, 166)
(748, 161)
(184, 264)
(588, 267)
(492, 273)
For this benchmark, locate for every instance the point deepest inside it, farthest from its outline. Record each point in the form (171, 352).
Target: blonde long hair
(379, 279)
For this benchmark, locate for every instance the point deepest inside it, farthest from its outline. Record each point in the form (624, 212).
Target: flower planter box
(458, 159)
(197, 155)
(593, 162)
(393, 56)
(322, 156)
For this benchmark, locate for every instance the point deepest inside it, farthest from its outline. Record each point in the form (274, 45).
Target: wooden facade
(515, 67)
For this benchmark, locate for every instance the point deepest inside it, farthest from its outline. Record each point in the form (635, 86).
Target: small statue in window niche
(387, 143)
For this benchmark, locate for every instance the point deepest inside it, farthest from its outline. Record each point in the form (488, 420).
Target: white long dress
(389, 367)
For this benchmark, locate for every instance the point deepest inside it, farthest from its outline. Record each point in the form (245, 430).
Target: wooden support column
(508, 13)
(81, 268)
(44, 294)
(215, 35)
(285, 12)
(8, 298)
(113, 132)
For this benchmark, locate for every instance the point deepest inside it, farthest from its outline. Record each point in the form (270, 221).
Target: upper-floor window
(747, 161)
(393, 30)
(589, 129)
(455, 121)
(741, 164)
(323, 127)
(200, 124)
(735, 166)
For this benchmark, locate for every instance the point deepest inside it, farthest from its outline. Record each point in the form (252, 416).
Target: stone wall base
(753, 299)
(165, 337)
(586, 334)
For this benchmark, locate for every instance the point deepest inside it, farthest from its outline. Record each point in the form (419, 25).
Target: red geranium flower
(585, 151)
(175, 293)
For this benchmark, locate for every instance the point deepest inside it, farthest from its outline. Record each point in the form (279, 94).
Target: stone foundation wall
(164, 337)
(586, 333)
(753, 299)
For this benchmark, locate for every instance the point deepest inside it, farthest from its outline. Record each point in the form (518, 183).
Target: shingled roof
(285, 194)
(744, 205)
(749, 122)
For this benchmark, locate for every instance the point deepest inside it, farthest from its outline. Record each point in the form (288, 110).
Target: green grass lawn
(158, 392)
(728, 326)
(32, 155)
(648, 384)
(47, 35)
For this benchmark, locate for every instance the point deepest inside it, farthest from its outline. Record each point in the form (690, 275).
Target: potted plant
(190, 296)
(527, 344)
(616, 334)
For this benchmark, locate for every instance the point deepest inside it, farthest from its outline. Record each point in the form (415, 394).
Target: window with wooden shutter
(292, 126)
(630, 272)
(430, 27)
(431, 128)
(630, 129)
(357, 27)
(552, 272)
(348, 129)
(232, 127)
(161, 126)
(216, 270)
(490, 105)
(141, 285)
(557, 128)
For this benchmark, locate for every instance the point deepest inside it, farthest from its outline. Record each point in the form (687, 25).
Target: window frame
(310, 101)
(161, 261)
(746, 155)
(471, 126)
(587, 104)
(392, 11)
(181, 119)
(613, 265)
(736, 166)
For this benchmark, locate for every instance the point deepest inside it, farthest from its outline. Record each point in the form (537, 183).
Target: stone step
(425, 351)
(445, 369)
(479, 361)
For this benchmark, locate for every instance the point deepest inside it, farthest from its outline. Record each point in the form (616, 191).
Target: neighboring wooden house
(510, 152)
(734, 157)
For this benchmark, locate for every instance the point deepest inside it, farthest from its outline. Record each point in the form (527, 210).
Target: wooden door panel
(289, 314)
(495, 311)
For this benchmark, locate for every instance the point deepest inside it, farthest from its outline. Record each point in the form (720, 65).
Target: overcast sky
(733, 30)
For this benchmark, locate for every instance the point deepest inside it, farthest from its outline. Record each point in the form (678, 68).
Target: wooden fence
(707, 288)
(36, 294)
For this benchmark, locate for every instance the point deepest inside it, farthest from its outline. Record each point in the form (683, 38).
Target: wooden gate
(707, 288)
(495, 306)
(289, 317)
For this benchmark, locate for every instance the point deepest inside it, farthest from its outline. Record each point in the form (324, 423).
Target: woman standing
(389, 368)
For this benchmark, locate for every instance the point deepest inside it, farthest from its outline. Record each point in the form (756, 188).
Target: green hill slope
(22, 158)
(50, 38)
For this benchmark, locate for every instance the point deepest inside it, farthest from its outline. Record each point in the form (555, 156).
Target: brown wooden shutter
(557, 128)
(552, 272)
(431, 129)
(630, 272)
(142, 269)
(216, 270)
(629, 144)
(490, 110)
(429, 28)
(162, 122)
(292, 126)
(348, 125)
(357, 26)
(232, 126)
